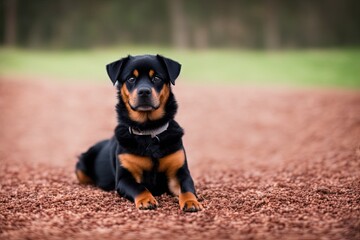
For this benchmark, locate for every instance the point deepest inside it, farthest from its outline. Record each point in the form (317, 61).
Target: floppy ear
(114, 69)
(173, 67)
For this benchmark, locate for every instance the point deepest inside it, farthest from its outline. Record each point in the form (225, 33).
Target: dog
(146, 156)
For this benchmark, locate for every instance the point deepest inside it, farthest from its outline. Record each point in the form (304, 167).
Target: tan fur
(136, 73)
(83, 178)
(124, 93)
(151, 73)
(136, 165)
(145, 200)
(188, 202)
(163, 97)
(132, 97)
(170, 165)
(174, 186)
(141, 117)
(134, 115)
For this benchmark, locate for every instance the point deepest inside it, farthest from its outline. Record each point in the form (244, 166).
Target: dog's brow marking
(136, 73)
(151, 73)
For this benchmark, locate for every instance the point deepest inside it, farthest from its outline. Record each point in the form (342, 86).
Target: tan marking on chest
(171, 163)
(136, 165)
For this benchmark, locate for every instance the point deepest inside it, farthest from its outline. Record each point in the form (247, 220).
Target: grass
(328, 68)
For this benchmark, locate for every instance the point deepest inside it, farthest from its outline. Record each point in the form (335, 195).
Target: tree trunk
(10, 22)
(272, 35)
(180, 35)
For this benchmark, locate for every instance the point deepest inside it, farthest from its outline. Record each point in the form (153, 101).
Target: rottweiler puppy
(146, 156)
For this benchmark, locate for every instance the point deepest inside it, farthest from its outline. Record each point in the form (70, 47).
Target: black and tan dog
(146, 157)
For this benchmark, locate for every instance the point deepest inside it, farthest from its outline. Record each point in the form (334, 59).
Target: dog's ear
(173, 68)
(114, 69)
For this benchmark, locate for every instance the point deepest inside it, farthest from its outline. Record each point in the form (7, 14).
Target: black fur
(101, 162)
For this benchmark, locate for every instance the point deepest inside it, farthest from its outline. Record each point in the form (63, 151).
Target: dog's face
(144, 83)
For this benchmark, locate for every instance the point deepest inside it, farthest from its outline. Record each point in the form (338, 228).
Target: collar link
(153, 133)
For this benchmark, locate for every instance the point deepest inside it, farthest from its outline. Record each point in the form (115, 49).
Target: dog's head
(144, 84)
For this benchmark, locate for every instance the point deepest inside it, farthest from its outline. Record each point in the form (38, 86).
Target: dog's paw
(145, 201)
(192, 206)
(188, 203)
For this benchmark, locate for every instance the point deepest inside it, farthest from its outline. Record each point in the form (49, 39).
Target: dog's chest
(151, 172)
(156, 182)
(147, 171)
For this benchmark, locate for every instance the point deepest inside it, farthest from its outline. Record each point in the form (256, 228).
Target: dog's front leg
(180, 181)
(187, 197)
(128, 187)
(130, 169)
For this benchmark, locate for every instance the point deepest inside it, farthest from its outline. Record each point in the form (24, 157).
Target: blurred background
(296, 42)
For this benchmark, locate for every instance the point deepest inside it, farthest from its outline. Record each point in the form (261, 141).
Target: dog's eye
(131, 79)
(156, 79)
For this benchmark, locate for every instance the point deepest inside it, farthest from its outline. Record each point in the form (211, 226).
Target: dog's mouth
(143, 107)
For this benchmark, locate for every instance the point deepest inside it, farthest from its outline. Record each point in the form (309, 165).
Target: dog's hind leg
(82, 177)
(84, 169)
(84, 165)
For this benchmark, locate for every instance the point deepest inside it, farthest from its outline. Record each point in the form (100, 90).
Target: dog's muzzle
(144, 100)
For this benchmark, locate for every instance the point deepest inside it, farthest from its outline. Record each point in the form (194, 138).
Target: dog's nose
(145, 91)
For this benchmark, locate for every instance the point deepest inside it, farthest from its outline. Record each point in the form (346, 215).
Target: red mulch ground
(268, 164)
